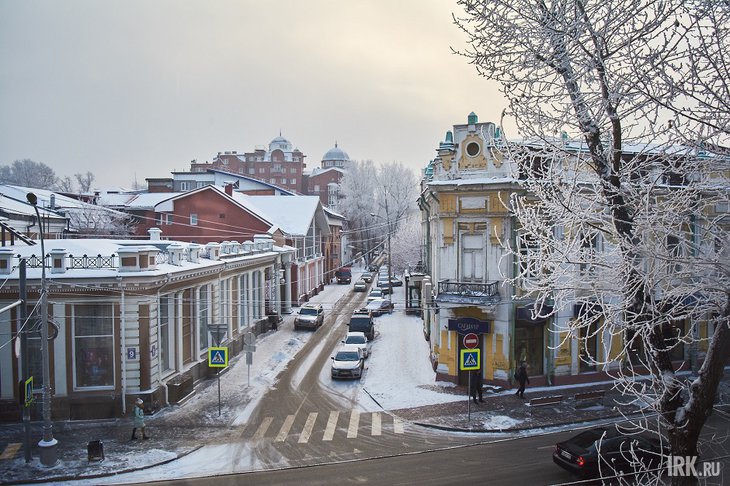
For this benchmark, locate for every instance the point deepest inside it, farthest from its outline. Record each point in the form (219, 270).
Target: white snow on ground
(500, 422)
(397, 372)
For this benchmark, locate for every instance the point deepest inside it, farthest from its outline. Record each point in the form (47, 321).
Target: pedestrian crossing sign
(470, 359)
(218, 357)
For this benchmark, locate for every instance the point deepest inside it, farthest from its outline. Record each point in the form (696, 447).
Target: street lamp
(48, 444)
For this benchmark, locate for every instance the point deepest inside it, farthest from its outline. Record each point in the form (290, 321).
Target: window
(293, 181)
(529, 253)
(166, 346)
(203, 316)
(251, 170)
(589, 247)
(293, 170)
(193, 220)
(272, 180)
(93, 345)
(186, 185)
(473, 149)
(243, 303)
(158, 218)
(200, 184)
(316, 188)
(472, 257)
(262, 170)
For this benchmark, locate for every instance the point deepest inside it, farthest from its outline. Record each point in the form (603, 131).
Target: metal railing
(469, 289)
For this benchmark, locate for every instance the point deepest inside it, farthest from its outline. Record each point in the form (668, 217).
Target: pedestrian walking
(476, 385)
(521, 377)
(139, 420)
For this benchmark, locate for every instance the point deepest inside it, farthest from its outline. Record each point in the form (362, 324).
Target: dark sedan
(378, 307)
(606, 452)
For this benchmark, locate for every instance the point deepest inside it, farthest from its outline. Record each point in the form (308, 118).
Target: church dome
(280, 143)
(336, 154)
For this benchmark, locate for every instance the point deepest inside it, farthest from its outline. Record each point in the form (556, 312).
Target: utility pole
(48, 444)
(24, 368)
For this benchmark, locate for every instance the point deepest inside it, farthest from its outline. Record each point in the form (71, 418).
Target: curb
(67, 477)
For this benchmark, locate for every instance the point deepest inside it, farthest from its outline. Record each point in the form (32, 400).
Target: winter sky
(138, 88)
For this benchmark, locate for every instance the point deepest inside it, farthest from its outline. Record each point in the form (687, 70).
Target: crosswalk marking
(354, 424)
(375, 429)
(397, 425)
(304, 436)
(10, 451)
(329, 432)
(263, 428)
(284, 431)
(330, 429)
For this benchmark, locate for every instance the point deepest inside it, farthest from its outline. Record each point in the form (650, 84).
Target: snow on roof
(13, 206)
(44, 197)
(149, 200)
(474, 181)
(114, 199)
(292, 214)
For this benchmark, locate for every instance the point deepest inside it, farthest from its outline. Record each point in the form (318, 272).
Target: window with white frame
(293, 181)
(166, 343)
(186, 185)
(472, 257)
(589, 248)
(204, 316)
(529, 256)
(168, 218)
(93, 345)
(200, 184)
(243, 302)
(193, 220)
(252, 170)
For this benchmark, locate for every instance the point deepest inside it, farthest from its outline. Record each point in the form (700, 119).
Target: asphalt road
(511, 461)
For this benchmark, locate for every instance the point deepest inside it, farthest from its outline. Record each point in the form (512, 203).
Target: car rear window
(587, 438)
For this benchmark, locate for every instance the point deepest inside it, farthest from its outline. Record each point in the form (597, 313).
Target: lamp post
(48, 444)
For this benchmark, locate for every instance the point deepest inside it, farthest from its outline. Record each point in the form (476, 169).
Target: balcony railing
(487, 291)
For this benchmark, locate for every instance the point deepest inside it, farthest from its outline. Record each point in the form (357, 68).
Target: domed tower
(335, 157)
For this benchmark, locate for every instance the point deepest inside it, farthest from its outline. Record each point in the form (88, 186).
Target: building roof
(336, 153)
(291, 214)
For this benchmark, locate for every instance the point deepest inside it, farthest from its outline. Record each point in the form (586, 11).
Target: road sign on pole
(218, 357)
(471, 340)
(469, 359)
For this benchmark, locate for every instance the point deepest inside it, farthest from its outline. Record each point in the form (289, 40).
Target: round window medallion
(472, 149)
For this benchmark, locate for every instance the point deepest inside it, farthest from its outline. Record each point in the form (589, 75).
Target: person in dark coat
(476, 385)
(521, 377)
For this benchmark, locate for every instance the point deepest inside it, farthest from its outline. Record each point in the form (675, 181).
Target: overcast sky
(135, 89)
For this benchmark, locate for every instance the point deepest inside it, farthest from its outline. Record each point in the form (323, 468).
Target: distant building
(280, 164)
(324, 181)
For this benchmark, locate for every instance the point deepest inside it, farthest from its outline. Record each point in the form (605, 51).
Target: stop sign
(471, 340)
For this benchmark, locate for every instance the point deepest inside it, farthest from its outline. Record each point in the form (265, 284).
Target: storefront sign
(465, 325)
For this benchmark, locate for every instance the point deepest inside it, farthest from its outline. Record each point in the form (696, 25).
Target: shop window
(93, 341)
(530, 345)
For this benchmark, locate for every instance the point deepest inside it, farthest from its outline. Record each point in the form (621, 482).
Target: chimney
(229, 189)
(154, 234)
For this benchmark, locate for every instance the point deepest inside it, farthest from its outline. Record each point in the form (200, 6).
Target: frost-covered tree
(65, 184)
(357, 189)
(96, 221)
(28, 173)
(85, 181)
(624, 108)
(406, 243)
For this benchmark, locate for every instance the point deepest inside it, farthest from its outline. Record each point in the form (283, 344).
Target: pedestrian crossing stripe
(307, 431)
(218, 357)
(470, 359)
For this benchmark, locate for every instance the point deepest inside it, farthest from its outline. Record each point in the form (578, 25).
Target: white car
(360, 340)
(348, 362)
(375, 293)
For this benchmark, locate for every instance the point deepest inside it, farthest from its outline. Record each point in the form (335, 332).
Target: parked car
(378, 307)
(375, 293)
(367, 276)
(348, 362)
(396, 282)
(615, 452)
(310, 316)
(359, 286)
(362, 321)
(360, 340)
(383, 285)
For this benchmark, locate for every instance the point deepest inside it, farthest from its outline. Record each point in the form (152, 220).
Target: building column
(287, 287)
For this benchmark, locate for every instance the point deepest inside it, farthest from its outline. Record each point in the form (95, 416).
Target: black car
(605, 451)
(378, 307)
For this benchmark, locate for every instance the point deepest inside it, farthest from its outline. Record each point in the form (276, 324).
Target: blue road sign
(218, 357)
(469, 359)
